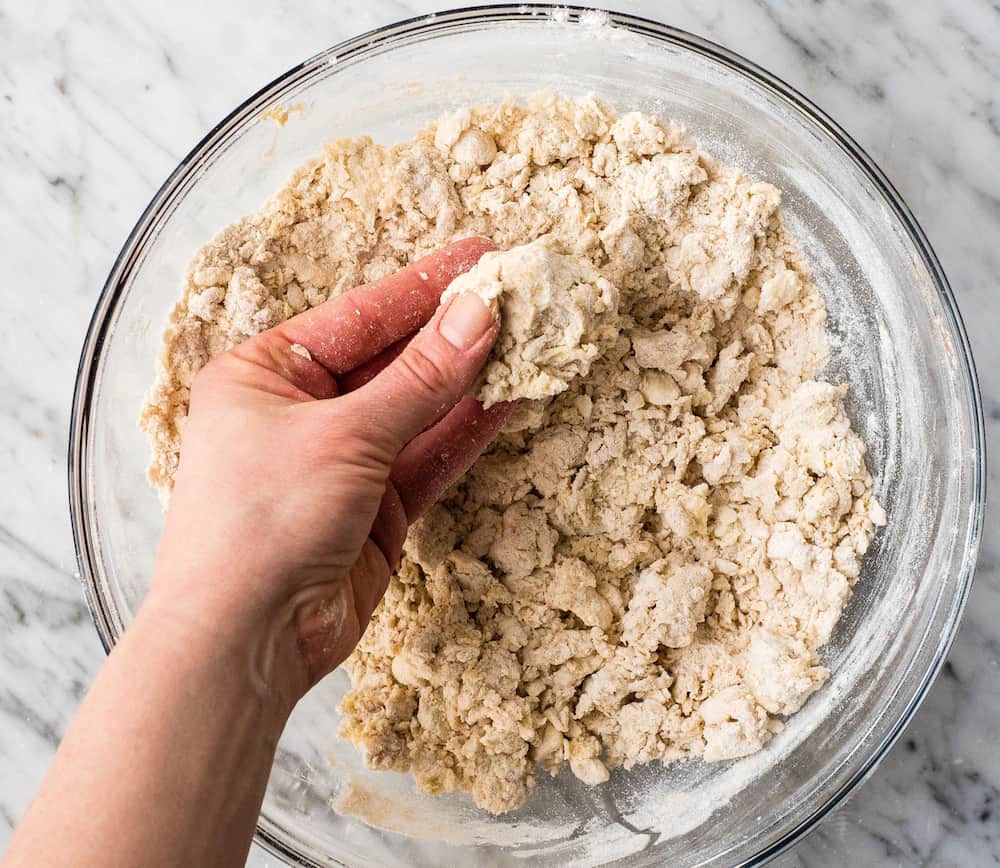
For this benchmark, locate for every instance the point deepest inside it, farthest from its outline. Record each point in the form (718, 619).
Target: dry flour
(644, 564)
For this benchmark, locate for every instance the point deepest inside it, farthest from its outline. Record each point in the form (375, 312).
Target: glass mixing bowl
(897, 339)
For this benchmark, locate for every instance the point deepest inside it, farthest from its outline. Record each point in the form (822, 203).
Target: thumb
(431, 375)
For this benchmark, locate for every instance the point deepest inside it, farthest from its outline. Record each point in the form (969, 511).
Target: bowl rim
(269, 835)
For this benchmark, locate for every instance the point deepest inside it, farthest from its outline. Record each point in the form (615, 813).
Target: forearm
(168, 759)
(307, 450)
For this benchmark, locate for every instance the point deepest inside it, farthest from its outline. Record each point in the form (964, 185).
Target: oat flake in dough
(640, 568)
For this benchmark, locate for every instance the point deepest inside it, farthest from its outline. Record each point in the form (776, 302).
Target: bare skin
(300, 473)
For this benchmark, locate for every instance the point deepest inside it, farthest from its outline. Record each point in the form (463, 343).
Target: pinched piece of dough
(557, 315)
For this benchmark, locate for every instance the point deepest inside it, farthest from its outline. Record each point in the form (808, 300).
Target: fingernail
(466, 321)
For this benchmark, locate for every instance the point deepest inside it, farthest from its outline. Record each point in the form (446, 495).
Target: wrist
(253, 648)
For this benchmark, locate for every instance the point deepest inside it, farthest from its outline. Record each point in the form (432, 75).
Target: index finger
(348, 330)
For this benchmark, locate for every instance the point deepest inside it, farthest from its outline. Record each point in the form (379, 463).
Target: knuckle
(427, 373)
(371, 453)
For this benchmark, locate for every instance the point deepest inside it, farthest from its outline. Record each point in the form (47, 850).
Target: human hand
(307, 452)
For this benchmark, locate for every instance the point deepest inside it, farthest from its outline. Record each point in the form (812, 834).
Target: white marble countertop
(99, 101)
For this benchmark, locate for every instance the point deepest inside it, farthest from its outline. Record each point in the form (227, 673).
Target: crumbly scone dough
(557, 314)
(642, 567)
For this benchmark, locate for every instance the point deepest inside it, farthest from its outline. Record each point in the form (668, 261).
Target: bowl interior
(895, 341)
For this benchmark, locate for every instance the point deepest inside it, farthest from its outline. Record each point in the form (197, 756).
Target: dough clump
(646, 563)
(557, 315)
